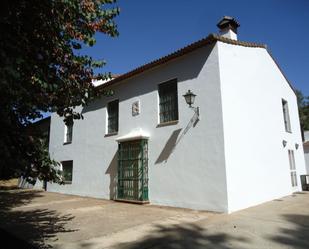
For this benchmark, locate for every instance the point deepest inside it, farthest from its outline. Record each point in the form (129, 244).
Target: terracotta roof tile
(185, 50)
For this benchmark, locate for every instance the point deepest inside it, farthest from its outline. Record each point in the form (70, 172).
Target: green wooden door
(133, 170)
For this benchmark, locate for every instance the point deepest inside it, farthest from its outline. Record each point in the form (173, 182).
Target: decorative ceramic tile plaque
(135, 108)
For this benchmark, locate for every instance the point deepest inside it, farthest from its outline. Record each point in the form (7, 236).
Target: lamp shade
(189, 97)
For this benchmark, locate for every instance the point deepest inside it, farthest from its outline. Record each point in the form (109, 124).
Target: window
(112, 116)
(168, 101)
(133, 170)
(68, 133)
(292, 168)
(67, 171)
(286, 115)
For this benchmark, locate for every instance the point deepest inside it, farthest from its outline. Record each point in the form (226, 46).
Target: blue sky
(151, 29)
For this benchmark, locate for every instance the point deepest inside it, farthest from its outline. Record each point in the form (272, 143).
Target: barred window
(133, 170)
(67, 171)
(168, 101)
(112, 116)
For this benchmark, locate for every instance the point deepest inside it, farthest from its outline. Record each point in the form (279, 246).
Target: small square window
(67, 171)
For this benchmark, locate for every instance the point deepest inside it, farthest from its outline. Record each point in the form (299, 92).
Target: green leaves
(90, 41)
(104, 76)
(108, 93)
(76, 45)
(41, 71)
(303, 107)
(96, 64)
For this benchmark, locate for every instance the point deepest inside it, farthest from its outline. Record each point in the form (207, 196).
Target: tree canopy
(303, 107)
(42, 71)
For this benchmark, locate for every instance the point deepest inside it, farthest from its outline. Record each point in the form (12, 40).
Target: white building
(145, 144)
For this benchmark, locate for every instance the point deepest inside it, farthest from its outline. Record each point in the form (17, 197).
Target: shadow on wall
(183, 237)
(296, 237)
(149, 80)
(169, 147)
(33, 226)
(112, 172)
(94, 105)
(174, 139)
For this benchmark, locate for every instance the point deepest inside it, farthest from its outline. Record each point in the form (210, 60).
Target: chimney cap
(228, 22)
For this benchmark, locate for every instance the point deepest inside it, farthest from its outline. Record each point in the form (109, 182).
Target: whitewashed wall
(186, 164)
(257, 163)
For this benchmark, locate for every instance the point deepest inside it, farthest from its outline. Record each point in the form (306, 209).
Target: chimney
(228, 27)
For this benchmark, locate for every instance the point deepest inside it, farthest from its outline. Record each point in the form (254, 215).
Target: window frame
(172, 112)
(286, 116)
(68, 134)
(62, 171)
(132, 171)
(293, 171)
(108, 130)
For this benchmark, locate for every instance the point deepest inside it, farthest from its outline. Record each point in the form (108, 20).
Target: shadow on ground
(296, 237)
(184, 236)
(196, 237)
(34, 225)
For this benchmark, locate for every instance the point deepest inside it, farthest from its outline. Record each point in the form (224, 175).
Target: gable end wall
(252, 88)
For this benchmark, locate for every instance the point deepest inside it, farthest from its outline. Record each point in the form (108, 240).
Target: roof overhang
(210, 39)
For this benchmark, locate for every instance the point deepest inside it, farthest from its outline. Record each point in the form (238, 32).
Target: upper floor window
(286, 115)
(68, 133)
(112, 116)
(168, 101)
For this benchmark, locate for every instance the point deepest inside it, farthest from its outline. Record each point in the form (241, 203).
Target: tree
(303, 108)
(41, 71)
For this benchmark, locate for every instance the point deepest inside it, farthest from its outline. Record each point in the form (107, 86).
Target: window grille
(113, 116)
(168, 101)
(133, 170)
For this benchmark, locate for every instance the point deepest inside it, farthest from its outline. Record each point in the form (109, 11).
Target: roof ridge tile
(182, 51)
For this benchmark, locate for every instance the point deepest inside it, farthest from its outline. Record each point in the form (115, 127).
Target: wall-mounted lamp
(296, 146)
(284, 143)
(190, 97)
